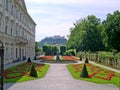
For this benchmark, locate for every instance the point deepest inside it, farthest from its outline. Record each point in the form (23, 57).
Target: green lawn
(103, 73)
(15, 73)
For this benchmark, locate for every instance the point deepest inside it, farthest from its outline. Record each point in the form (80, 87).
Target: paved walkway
(57, 78)
(112, 69)
(12, 64)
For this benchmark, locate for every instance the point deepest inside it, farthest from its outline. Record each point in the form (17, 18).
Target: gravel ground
(57, 78)
(115, 70)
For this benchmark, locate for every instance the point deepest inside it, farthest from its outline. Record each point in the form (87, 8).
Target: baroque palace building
(17, 31)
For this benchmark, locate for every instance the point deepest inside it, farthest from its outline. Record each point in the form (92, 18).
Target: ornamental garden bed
(63, 59)
(71, 59)
(96, 74)
(21, 72)
(46, 58)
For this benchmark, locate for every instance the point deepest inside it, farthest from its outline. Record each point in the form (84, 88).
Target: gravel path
(57, 78)
(112, 69)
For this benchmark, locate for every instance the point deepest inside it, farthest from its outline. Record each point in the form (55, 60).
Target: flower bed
(20, 70)
(69, 58)
(46, 58)
(95, 70)
(96, 74)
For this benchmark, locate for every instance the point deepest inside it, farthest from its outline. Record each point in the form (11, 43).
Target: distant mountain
(53, 40)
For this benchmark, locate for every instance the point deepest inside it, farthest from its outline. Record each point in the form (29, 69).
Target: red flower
(69, 58)
(46, 57)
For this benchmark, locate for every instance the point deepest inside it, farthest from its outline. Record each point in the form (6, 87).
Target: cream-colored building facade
(17, 30)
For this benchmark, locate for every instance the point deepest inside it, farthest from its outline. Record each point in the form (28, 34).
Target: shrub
(35, 58)
(70, 52)
(50, 50)
(80, 57)
(57, 57)
(29, 60)
(33, 72)
(84, 73)
(86, 60)
(117, 55)
(62, 50)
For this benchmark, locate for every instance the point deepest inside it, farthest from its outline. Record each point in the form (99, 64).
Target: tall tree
(76, 35)
(37, 49)
(62, 50)
(112, 29)
(50, 50)
(93, 39)
(55, 50)
(86, 35)
(46, 49)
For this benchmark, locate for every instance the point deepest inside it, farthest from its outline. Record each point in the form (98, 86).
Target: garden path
(112, 69)
(57, 78)
(12, 64)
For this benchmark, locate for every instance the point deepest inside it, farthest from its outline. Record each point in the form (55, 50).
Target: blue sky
(56, 17)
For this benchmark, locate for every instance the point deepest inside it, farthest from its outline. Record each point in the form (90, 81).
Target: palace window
(16, 32)
(11, 31)
(12, 9)
(6, 52)
(6, 29)
(16, 52)
(20, 16)
(6, 25)
(7, 5)
(12, 51)
(0, 24)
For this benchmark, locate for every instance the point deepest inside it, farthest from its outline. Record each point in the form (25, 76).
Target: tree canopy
(50, 50)
(112, 30)
(91, 34)
(86, 35)
(37, 49)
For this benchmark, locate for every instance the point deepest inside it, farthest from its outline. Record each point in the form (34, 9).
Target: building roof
(23, 6)
(22, 3)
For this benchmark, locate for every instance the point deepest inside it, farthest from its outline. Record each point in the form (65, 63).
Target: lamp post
(1, 64)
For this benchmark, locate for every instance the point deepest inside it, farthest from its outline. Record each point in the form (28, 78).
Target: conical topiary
(80, 57)
(84, 73)
(29, 60)
(33, 72)
(35, 58)
(86, 60)
(57, 58)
